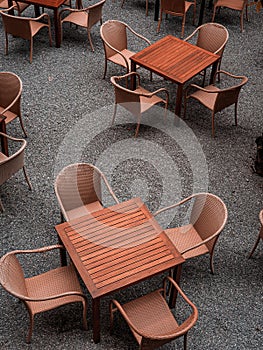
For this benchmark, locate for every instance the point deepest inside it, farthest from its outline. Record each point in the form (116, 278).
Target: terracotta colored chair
(146, 5)
(176, 8)
(211, 37)
(9, 165)
(216, 99)
(207, 219)
(42, 292)
(135, 101)
(86, 17)
(238, 5)
(78, 190)
(260, 235)
(18, 6)
(151, 320)
(114, 36)
(10, 98)
(24, 27)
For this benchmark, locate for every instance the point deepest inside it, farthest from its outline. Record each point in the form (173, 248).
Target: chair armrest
(20, 150)
(191, 35)
(175, 205)
(117, 51)
(244, 78)
(138, 35)
(69, 9)
(150, 94)
(110, 189)
(115, 78)
(57, 296)
(39, 250)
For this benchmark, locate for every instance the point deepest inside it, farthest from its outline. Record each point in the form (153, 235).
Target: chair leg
(214, 14)
(159, 22)
(31, 50)
(213, 124)
(185, 341)
(22, 125)
(138, 125)
(105, 67)
(27, 178)
(147, 7)
(85, 326)
(255, 246)
(204, 76)
(212, 262)
(6, 43)
(183, 24)
(241, 21)
(50, 37)
(114, 114)
(30, 331)
(1, 206)
(90, 41)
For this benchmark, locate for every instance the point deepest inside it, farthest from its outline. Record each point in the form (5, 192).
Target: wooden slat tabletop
(117, 246)
(174, 59)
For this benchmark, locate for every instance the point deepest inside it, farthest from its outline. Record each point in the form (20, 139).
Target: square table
(116, 247)
(176, 60)
(50, 4)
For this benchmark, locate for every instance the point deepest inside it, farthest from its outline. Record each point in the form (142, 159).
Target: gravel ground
(67, 109)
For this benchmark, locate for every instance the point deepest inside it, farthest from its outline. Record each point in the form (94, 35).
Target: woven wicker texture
(136, 100)
(151, 320)
(238, 5)
(260, 235)
(217, 99)
(176, 8)
(9, 165)
(86, 17)
(24, 27)
(207, 220)
(78, 190)
(115, 42)
(19, 6)
(42, 292)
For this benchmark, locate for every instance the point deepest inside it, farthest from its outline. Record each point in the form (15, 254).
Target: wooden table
(116, 247)
(50, 4)
(176, 60)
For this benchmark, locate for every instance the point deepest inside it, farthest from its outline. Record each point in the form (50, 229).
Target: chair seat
(36, 26)
(185, 237)
(78, 18)
(147, 102)
(151, 314)
(9, 115)
(57, 281)
(3, 157)
(232, 4)
(84, 210)
(205, 97)
(119, 60)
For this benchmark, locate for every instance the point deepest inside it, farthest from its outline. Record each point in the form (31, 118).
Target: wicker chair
(146, 5)
(207, 220)
(86, 17)
(151, 320)
(114, 36)
(78, 190)
(10, 98)
(9, 165)
(135, 101)
(238, 5)
(18, 6)
(24, 27)
(216, 99)
(177, 8)
(260, 235)
(211, 37)
(42, 292)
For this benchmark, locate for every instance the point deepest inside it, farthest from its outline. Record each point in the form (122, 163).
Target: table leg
(156, 10)
(176, 276)
(4, 141)
(57, 28)
(96, 319)
(201, 13)
(213, 72)
(179, 97)
(37, 10)
(133, 79)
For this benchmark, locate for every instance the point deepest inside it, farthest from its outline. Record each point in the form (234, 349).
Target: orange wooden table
(116, 247)
(176, 60)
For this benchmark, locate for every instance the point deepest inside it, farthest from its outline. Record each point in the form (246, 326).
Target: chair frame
(106, 44)
(26, 299)
(137, 93)
(17, 6)
(260, 235)
(17, 160)
(150, 341)
(82, 10)
(26, 19)
(212, 240)
(64, 215)
(218, 105)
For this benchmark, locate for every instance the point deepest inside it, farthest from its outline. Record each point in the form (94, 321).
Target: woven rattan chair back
(23, 27)
(151, 320)
(260, 235)
(42, 292)
(9, 165)
(177, 8)
(78, 186)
